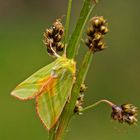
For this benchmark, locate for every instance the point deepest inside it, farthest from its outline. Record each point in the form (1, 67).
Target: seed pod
(104, 29)
(78, 106)
(95, 33)
(90, 31)
(98, 36)
(53, 37)
(101, 45)
(125, 113)
(60, 47)
(98, 21)
(83, 88)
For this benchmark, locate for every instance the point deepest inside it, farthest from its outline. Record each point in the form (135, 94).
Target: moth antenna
(54, 52)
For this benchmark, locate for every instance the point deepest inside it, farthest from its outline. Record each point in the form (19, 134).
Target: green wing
(30, 88)
(51, 86)
(50, 104)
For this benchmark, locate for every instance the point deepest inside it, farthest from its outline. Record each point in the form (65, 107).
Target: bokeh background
(114, 73)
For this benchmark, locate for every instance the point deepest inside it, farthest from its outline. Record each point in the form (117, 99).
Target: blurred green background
(114, 74)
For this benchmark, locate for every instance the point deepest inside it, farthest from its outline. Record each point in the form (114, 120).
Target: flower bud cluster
(95, 33)
(78, 107)
(125, 113)
(53, 37)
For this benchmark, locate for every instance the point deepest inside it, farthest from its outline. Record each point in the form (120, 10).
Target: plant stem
(52, 131)
(68, 110)
(72, 49)
(75, 39)
(67, 21)
(96, 103)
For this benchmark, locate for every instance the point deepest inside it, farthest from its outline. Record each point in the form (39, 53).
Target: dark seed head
(125, 113)
(53, 37)
(95, 33)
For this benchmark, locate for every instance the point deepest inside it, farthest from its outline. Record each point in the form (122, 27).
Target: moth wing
(30, 87)
(50, 104)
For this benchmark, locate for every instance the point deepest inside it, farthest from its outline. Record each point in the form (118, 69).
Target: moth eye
(53, 73)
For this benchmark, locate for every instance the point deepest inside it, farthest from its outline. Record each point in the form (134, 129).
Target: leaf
(51, 86)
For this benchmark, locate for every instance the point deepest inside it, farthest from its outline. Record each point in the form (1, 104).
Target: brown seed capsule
(98, 21)
(83, 88)
(58, 27)
(101, 45)
(95, 33)
(104, 29)
(49, 33)
(57, 38)
(79, 103)
(90, 31)
(125, 113)
(129, 108)
(98, 36)
(53, 37)
(60, 47)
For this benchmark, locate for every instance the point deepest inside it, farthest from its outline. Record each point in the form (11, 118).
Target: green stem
(52, 131)
(67, 21)
(75, 39)
(68, 110)
(96, 103)
(72, 49)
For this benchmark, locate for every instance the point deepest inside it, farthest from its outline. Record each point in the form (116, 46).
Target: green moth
(51, 87)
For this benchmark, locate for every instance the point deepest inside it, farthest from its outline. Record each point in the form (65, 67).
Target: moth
(50, 87)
